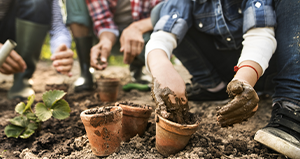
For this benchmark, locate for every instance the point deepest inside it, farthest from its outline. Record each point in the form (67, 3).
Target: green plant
(28, 121)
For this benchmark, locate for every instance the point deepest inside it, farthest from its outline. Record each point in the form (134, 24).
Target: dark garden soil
(67, 138)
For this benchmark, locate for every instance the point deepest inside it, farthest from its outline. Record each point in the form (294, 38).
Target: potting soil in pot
(177, 112)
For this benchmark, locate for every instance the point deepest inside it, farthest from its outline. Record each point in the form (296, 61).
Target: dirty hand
(63, 60)
(132, 43)
(100, 53)
(243, 105)
(13, 63)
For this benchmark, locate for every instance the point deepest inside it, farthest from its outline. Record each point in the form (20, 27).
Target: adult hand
(132, 43)
(101, 51)
(243, 105)
(63, 60)
(13, 63)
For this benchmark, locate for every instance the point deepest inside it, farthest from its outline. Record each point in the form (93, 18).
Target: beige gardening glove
(243, 105)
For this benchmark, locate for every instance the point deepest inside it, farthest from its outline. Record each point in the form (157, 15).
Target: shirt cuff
(115, 31)
(259, 46)
(160, 40)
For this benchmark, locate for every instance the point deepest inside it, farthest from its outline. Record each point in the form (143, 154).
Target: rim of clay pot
(110, 113)
(110, 80)
(132, 111)
(182, 129)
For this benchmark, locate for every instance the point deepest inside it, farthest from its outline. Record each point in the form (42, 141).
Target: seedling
(28, 121)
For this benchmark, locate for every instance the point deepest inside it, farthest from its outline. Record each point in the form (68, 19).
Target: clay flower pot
(63, 87)
(103, 127)
(172, 137)
(135, 119)
(108, 89)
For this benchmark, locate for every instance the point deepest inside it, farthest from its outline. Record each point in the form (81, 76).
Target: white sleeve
(160, 40)
(259, 46)
(59, 34)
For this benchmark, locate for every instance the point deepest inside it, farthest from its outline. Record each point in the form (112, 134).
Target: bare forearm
(143, 25)
(109, 37)
(247, 73)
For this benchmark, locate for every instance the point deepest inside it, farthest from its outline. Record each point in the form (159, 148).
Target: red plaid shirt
(102, 12)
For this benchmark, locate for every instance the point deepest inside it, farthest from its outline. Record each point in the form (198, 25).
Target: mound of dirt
(67, 138)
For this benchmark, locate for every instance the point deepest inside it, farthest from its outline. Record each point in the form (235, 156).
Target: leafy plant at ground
(29, 121)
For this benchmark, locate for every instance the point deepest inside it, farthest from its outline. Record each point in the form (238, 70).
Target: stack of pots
(106, 127)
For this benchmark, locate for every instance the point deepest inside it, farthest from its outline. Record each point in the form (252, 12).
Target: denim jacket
(226, 20)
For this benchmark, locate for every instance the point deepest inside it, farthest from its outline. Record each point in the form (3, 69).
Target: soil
(63, 87)
(67, 138)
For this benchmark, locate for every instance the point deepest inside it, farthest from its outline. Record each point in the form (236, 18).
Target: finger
(63, 62)
(19, 60)
(6, 69)
(140, 47)
(235, 87)
(64, 68)
(238, 119)
(60, 48)
(134, 49)
(11, 65)
(239, 100)
(127, 52)
(62, 55)
(249, 107)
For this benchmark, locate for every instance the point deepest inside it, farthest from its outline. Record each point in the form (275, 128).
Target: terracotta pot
(108, 89)
(103, 129)
(135, 120)
(172, 137)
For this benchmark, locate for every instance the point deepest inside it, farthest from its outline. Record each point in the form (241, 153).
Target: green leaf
(29, 103)
(42, 112)
(51, 97)
(27, 133)
(32, 126)
(61, 109)
(21, 121)
(31, 116)
(20, 108)
(13, 131)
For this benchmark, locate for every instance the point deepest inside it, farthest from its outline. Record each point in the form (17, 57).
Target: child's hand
(243, 105)
(63, 60)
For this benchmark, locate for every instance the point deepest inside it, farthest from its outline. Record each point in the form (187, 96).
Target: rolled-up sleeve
(175, 17)
(59, 34)
(258, 13)
(102, 16)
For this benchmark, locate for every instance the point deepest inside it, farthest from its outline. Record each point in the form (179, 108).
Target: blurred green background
(46, 53)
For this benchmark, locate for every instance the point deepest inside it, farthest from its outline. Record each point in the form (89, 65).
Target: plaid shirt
(102, 12)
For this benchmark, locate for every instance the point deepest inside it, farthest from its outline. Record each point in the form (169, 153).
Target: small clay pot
(135, 119)
(63, 87)
(172, 137)
(108, 89)
(103, 127)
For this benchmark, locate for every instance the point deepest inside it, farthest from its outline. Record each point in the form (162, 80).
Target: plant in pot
(135, 119)
(103, 126)
(29, 121)
(108, 89)
(174, 124)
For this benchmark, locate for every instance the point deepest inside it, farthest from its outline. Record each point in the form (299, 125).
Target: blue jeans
(36, 11)
(288, 51)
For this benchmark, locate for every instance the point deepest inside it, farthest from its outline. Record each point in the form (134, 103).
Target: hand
(63, 60)
(132, 43)
(99, 55)
(243, 105)
(13, 63)
(168, 90)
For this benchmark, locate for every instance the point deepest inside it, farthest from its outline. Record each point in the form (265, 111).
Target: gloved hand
(241, 107)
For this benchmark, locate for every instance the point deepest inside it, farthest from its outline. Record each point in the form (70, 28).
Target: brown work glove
(242, 106)
(176, 112)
